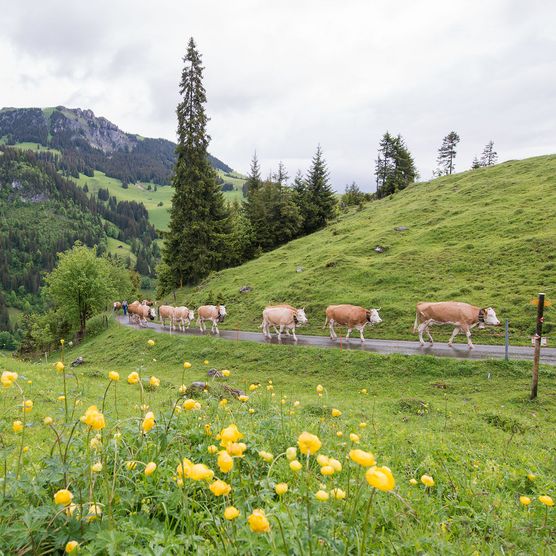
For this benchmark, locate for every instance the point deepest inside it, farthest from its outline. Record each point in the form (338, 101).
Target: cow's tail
(325, 322)
(416, 323)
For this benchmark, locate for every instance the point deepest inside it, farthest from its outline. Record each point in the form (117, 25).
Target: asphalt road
(458, 351)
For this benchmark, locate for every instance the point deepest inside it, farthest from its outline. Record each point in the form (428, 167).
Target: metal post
(538, 336)
(507, 354)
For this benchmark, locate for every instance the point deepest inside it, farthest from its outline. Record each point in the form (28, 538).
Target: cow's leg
(454, 334)
(468, 334)
(348, 333)
(215, 327)
(421, 329)
(280, 331)
(293, 332)
(361, 328)
(275, 329)
(429, 335)
(333, 334)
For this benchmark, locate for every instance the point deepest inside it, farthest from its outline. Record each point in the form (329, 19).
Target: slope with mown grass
(469, 425)
(486, 237)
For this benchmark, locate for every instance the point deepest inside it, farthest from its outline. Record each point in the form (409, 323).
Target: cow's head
(490, 317)
(301, 316)
(221, 312)
(191, 314)
(152, 313)
(373, 316)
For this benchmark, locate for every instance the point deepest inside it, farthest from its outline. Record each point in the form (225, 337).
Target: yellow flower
(291, 453)
(354, 438)
(150, 468)
(151, 343)
(251, 410)
(59, 366)
(327, 470)
(336, 465)
(48, 421)
(339, 434)
(94, 512)
(114, 376)
(296, 403)
(322, 495)
(205, 362)
(531, 476)
(336, 412)
(266, 456)
(148, 422)
(338, 493)
(71, 546)
(25, 449)
(308, 443)
(183, 469)
(253, 387)
(62, 342)
(28, 406)
(226, 372)
(29, 382)
(363, 390)
(220, 488)
(212, 449)
(61, 398)
(191, 405)
(200, 472)
(95, 443)
(412, 481)
(427, 480)
(258, 522)
(133, 378)
(281, 488)
(295, 465)
(320, 389)
(230, 434)
(546, 500)
(17, 426)
(97, 467)
(365, 459)
(362, 425)
(270, 388)
(187, 365)
(230, 513)
(63, 497)
(225, 461)
(182, 389)
(223, 402)
(380, 478)
(243, 398)
(131, 465)
(323, 460)
(236, 449)
(154, 382)
(8, 378)
(94, 418)
(525, 500)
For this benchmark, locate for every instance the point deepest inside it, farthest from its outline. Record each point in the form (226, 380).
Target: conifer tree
(489, 156)
(394, 167)
(316, 201)
(254, 180)
(281, 176)
(447, 153)
(196, 241)
(475, 164)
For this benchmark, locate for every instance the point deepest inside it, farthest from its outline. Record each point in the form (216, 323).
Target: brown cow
(167, 312)
(143, 312)
(117, 306)
(462, 315)
(183, 316)
(284, 316)
(214, 313)
(351, 316)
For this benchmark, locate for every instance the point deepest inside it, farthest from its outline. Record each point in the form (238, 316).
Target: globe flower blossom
(148, 422)
(63, 497)
(291, 453)
(380, 478)
(212, 449)
(320, 389)
(96, 467)
(327, 470)
(191, 405)
(338, 493)
(114, 376)
(308, 443)
(231, 513)
(427, 480)
(226, 372)
(322, 495)
(150, 468)
(251, 411)
(183, 468)
(220, 488)
(281, 488)
(230, 434)
(17, 426)
(151, 343)
(323, 460)
(182, 389)
(339, 434)
(205, 362)
(225, 461)
(131, 465)
(258, 522)
(354, 438)
(270, 388)
(365, 459)
(186, 365)
(61, 398)
(243, 398)
(335, 464)
(48, 420)
(546, 500)
(525, 500)
(8, 378)
(236, 449)
(362, 425)
(28, 406)
(154, 382)
(336, 412)
(223, 402)
(531, 476)
(295, 465)
(266, 456)
(253, 387)
(93, 418)
(133, 378)
(94, 511)
(200, 472)
(412, 481)
(59, 366)
(71, 546)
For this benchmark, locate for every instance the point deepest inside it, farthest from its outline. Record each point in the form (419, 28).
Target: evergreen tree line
(394, 167)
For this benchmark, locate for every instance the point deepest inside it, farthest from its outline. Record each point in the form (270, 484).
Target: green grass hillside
(485, 236)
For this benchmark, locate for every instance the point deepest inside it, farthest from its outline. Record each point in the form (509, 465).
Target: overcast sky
(282, 77)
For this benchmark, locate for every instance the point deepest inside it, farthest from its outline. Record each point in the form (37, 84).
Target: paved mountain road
(458, 351)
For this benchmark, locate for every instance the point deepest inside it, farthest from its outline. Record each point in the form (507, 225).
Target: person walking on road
(124, 307)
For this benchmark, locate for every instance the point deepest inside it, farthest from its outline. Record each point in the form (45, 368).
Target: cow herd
(283, 317)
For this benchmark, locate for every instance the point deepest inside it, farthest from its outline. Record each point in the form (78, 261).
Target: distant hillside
(485, 236)
(88, 143)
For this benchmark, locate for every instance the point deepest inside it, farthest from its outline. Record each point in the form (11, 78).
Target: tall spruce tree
(281, 176)
(196, 241)
(254, 180)
(489, 156)
(316, 200)
(394, 167)
(447, 154)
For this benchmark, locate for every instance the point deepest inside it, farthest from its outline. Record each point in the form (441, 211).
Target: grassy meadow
(468, 425)
(483, 237)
